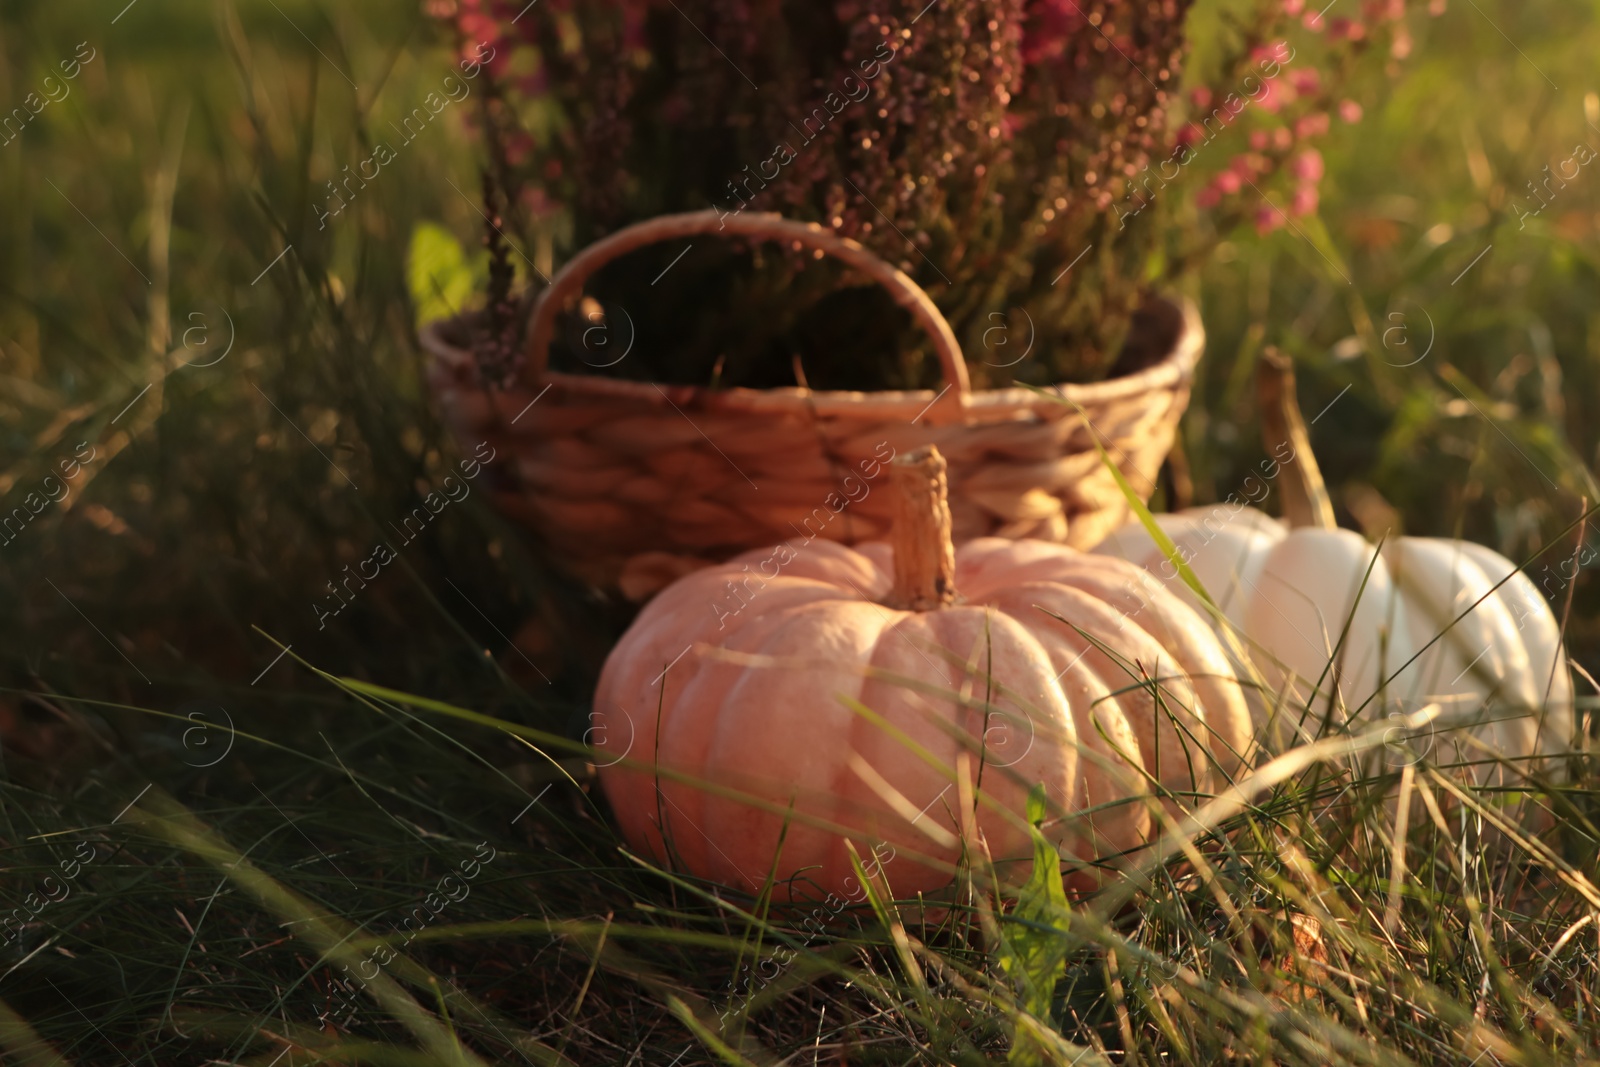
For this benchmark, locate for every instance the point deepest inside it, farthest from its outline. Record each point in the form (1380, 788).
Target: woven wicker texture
(632, 484)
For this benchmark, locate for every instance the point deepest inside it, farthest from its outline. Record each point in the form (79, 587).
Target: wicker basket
(632, 484)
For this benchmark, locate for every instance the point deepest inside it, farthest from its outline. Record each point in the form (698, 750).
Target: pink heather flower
(1271, 99)
(1307, 166)
(633, 16)
(1228, 183)
(1267, 219)
(1313, 21)
(1200, 97)
(1384, 10)
(1275, 52)
(1188, 135)
(1400, 47)
(675, 109)
(1207, 198)
(1282, 138)
(1350, 111)
(1313, 125)
(476, 26)
(1345, 29)
(1258, 140)
(1304, 202)
(1248, 165)
(519, 147)
(1436, 7)
(1047, 27)
(1305, 82)
(1293, 8)
(537, 203)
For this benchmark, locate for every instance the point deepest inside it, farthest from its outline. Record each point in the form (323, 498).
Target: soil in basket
(724, 315)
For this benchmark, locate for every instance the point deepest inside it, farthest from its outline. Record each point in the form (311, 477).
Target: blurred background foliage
(1449, 351)
(1447, 345)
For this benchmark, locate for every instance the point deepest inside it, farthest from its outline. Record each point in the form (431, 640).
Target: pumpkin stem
(1283, 432)
(924, 555)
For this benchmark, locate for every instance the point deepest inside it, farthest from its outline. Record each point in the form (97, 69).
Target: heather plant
(1023, 160)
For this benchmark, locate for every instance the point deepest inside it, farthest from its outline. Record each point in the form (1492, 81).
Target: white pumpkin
(1290, 587)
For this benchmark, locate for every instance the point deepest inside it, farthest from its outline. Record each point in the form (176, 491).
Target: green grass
(222, 499)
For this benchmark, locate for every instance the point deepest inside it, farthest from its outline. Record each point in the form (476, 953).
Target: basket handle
(568, 281)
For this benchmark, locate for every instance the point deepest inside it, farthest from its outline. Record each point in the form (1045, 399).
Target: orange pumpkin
(811, 693)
